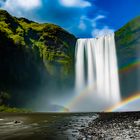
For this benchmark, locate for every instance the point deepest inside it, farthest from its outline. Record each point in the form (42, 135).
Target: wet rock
(82, 126)
(114, 125)
(16, 122)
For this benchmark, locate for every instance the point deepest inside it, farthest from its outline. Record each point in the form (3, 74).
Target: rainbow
(129, 66)
(123, 69)
(123, 103)
(78, 98)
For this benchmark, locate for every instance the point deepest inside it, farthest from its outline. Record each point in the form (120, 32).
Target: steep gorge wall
(128, 51)
(34, 55)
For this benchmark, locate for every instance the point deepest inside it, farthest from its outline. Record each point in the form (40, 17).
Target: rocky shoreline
(72, 126)
(113, 126)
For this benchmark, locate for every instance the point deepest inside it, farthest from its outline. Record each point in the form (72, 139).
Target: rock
(121, 127)
(16, 122)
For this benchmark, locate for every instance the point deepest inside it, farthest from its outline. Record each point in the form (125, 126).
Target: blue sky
(83, 18)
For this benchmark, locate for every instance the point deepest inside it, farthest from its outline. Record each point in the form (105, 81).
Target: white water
(96, 68)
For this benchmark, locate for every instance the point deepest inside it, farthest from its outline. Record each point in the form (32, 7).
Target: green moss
(127, 41)
(18, 39)
(5, 28)
(4, 108)
(33, 54)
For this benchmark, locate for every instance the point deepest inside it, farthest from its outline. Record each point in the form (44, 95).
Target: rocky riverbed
(70, 126)
(43, 126)
(113, 126)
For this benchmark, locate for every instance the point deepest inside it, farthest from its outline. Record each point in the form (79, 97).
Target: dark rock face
(33, 55)
(127, 41)
(128, 51)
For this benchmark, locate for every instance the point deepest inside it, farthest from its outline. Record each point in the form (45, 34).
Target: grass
(4, 108)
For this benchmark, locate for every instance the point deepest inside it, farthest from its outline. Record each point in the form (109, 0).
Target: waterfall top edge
(98, 37)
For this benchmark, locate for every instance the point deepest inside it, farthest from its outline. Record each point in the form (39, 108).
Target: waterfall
(96, 67)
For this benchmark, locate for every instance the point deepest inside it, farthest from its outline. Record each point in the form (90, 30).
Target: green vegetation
(54, 44)
(33, 55)
(127, 41)
(128, 51)
(4, 108)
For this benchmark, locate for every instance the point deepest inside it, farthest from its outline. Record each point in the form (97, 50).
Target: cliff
(128, 51)
(33, 55)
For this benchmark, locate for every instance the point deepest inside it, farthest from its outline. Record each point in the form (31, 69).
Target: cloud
(75, 3)
(97, 32)
(91, 25)
(96, 19)
(82, 25)
(101, 32)
(84, 21)
(72, 15)
(13, 5)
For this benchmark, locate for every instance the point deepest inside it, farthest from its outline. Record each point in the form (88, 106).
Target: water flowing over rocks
(42, 126)
(113, 126)
(70, 126)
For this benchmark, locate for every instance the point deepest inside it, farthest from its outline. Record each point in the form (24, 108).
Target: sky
(83, 18)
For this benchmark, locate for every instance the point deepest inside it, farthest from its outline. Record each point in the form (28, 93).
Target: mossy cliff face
(128, 43)
(128, 51)
(33, 54)
(54, 44)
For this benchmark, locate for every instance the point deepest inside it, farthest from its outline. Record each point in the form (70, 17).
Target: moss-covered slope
(128, 43)
(54, 44)
(33, 54)
(128, 51)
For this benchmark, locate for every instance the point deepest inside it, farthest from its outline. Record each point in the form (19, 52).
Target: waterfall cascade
(96, 67)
